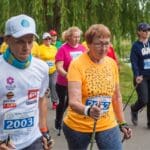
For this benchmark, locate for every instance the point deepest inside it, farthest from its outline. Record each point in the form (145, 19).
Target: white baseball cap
(19, 26)
(46, 35)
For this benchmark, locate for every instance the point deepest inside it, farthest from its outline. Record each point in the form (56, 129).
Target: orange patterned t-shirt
(98, 84)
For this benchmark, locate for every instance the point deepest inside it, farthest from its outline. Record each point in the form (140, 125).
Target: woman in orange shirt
(94, 96)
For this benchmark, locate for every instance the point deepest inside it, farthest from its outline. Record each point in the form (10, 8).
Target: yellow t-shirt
(85, 45)
(3, 47)
(98, 81)
(47, 53)
(35, 49)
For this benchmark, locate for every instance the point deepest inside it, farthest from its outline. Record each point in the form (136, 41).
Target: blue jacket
(140, 59)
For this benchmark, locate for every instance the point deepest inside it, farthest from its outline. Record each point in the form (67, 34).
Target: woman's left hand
(126, 131)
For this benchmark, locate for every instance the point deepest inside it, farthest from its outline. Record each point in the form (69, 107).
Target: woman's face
(54, 39)
(99, 46)
(47, 41)
(74, 39)
(144, 34)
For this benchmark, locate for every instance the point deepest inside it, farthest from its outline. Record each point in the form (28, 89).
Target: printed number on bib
(18, 123)
(103, 101)
(74, 55)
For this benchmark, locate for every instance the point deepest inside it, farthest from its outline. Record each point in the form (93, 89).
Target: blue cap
(143, 27)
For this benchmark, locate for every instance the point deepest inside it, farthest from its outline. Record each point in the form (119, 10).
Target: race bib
(50, 63)
(75, 54)
(18, 122)
(146, 63)
(103, 101)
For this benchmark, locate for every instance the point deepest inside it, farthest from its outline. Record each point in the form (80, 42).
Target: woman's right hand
(95, 112)
(139, 79)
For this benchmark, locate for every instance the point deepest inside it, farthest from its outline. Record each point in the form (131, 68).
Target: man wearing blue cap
(140, 60)
(23, 84)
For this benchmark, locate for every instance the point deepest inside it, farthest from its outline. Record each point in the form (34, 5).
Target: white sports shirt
(20, 90)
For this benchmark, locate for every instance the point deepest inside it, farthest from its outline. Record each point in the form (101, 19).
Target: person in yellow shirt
(3, 47)
(95, 103)
(35, 49)
(85, 45)
(47, 53)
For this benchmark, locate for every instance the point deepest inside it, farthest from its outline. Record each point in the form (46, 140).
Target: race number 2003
(18, 123)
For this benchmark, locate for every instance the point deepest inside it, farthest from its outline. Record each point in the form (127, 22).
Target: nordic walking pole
(93, 134)
(128, 103)
(130, 97)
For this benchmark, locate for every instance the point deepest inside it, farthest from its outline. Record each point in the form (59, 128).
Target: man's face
(21, 47)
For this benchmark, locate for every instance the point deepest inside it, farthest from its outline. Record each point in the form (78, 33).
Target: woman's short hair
(67, 33)
(97, 30)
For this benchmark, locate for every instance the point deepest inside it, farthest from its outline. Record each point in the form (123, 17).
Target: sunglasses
(47, 39)
(145, 30)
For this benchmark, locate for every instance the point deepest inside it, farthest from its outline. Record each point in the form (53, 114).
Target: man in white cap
(23, 84)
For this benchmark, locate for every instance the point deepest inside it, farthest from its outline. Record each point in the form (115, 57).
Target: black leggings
(143, 92)
(62, 92)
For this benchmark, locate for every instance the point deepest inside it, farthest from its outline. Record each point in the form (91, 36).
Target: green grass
(126, 83)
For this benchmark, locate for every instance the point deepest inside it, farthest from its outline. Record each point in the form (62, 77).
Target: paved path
(139, 141)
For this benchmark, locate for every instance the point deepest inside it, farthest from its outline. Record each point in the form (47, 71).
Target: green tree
(121, 16)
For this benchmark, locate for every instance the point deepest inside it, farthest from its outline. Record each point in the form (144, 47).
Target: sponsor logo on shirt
(10, 95)
(32, 96)
(10, 80)
(9, 104)
(10, 83)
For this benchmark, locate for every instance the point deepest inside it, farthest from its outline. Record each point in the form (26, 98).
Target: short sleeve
(45, 83)
(74, 73)
(59, 55)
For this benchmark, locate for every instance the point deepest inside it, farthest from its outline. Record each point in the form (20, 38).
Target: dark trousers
(62, 92)
(143, 93)
(52, 86)
(109, 139)
(37, 145)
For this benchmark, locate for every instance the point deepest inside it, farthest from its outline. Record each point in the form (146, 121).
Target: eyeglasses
(106, 44)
